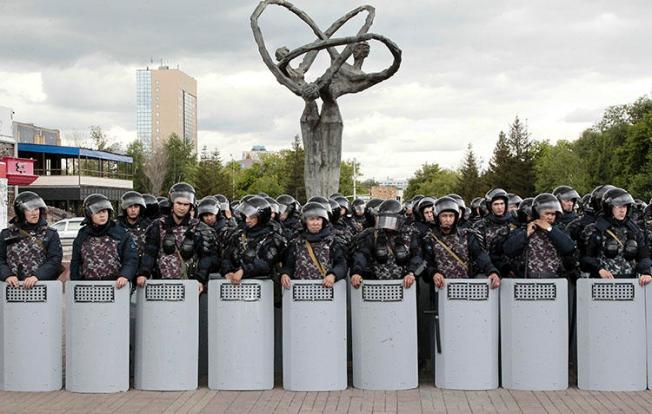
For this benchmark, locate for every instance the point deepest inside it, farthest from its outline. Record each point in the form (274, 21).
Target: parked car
(68, 228)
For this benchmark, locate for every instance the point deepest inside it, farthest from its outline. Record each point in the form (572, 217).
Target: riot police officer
(315, 253)
(568, 198)
(542, 250)
(208, 211)
(178, 246)
(357, 212)
(454, 252)
(494, 229)
(424, 214)
(289, 209)
(615, 246)
(387, 251)
(133, 218)
(152, 210)
(103, 250)
(370, 212)
(29, 250)
(254, 248)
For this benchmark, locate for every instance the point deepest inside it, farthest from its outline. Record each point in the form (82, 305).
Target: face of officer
(251, 221)
(512, 208)
(314, 224)
(180, 208)
(619, 212)
(498, 207)
(100, 218)
(32, 216)
(567, 205)
(133, 212)
(446, 220)
(549, 216)
(209, 218)
(429, 214)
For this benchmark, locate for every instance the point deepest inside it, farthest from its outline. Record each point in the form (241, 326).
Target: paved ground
(425, 399)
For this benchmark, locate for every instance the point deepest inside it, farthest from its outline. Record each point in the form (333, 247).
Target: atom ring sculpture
(322, 131)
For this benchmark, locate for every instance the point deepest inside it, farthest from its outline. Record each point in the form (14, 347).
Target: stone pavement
(425, 399)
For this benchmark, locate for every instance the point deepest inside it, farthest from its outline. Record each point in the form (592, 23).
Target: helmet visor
(208, 208)
(622, 200)
(569, 195)
(33, 204)
(549, 205)
(248, 210)
(133, 200)
(183, 197)
(99, 206)
(389, 222)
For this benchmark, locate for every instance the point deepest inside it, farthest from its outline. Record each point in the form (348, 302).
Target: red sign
(20, 171)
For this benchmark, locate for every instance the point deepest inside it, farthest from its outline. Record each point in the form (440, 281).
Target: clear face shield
(389, 222)
(34, 204)
(209, 208)
(359, 209)
(99, 206)
(130, 201)
(182, 197)
(247, 210)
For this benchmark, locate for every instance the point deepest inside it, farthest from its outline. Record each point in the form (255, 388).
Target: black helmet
(358, 206)
(314, 209)
(585, 204)
(223, 201)
(95, 203)
(596, 197)
(287, 204)
(151, 206)
(514, 199)
(390, 214)
(545, 201)
(424, 203)
(276, 208)
(616, 197)
(164, 205)
(132, 198)
(335, 195)
(476, 206)
(336, 212)
(492, 195)
(524, 212)
(370, 211)
(448, 204)
(208, 204)
(183, 191)
(566, 193)
(459, 199)
(26, 201)
(263, 195)
(323, 201)
(256, 206)
(344, 203)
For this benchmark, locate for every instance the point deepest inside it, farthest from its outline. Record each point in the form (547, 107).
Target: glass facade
(189, 117)
(144, 108)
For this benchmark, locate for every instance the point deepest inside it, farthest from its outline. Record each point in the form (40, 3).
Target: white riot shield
(167, 335)
(31, 337)
(384, 330)
(611, 349)
(648, 319)
(314, 336)
(97, 337)
(534, 334)
(468, 324)
(241, 335)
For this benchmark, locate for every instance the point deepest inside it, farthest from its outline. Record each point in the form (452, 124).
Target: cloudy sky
(468, 69)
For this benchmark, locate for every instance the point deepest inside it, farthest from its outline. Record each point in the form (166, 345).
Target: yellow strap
(319, 266)
(611, 233)
(452, 253)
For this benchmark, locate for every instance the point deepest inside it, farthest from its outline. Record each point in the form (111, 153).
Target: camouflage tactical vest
(100, 258)
(138, 234)
(172, 266)
(28, 254)
(618, 266)
(305, 267)
(542, 256)
(448, 265)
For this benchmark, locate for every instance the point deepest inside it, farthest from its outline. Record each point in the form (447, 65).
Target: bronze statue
(322, 132)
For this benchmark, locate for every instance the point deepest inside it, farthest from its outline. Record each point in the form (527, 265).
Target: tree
(211, 177)
(294, 169)
(347, 169)
(156, 166)
(560, 164)
(141, 182)
(182, 161)
(469, 184)
(521, 166)
(431, 180)
(497, 175)
(100, 142)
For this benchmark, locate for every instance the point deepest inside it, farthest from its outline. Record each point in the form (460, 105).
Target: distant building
(166, 103)
(249, 158)
(32, 134)
(7, 140)
(384, 192)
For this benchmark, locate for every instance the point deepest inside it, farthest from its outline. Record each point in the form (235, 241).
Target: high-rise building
(166, 103)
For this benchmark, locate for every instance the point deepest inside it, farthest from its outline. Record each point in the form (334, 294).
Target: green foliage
(469, 184)
(431, 180)
(182, 161)
(212, 177)
(560, 164)
(141, 182)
